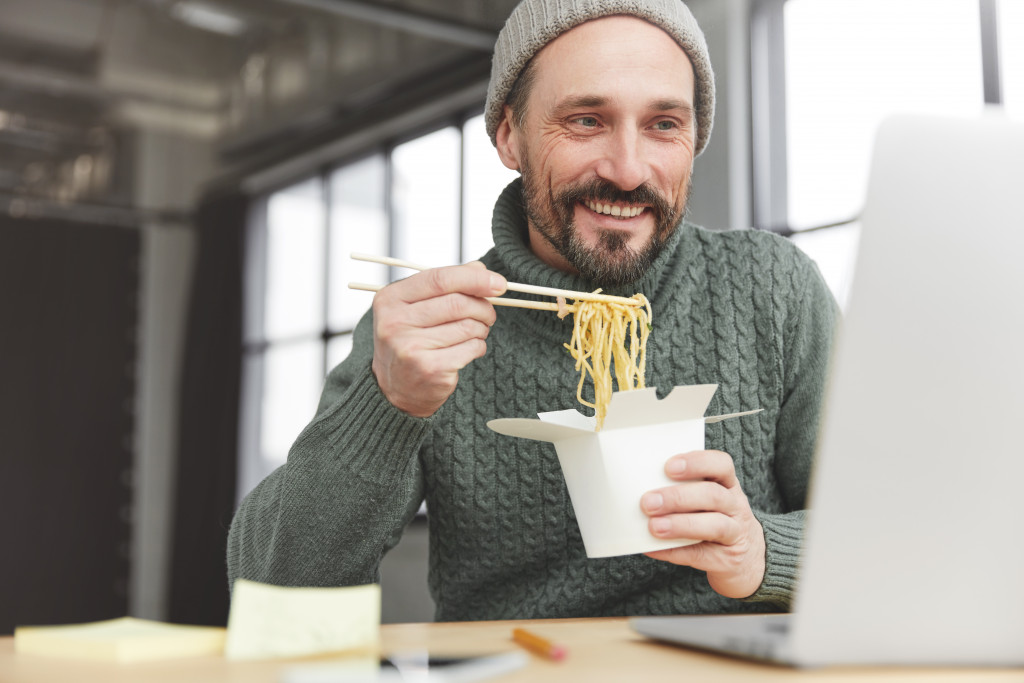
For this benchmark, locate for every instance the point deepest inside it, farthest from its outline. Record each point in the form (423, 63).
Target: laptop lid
(914, 550)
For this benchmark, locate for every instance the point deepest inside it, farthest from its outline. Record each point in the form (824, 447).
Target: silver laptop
(914, 552)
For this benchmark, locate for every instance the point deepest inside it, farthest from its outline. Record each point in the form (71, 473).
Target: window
(847, 65)
(426, 200)
(294, 292)
(282, 359)
(426, 190)
(359, 223)
(484, 179)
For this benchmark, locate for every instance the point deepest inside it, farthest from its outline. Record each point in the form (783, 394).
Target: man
(602, 106)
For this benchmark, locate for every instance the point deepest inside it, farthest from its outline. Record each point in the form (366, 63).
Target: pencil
(539, 645)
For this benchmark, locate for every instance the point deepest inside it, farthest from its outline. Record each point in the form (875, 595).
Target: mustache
(605, 191)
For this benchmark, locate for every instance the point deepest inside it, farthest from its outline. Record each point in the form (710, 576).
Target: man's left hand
(708, 505)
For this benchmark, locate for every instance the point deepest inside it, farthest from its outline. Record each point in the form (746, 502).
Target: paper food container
(608, 471)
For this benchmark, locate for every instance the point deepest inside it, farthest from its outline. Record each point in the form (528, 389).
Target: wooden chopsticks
(496, 300)
(512, 286)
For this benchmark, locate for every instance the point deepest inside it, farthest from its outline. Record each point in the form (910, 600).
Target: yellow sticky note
(120, 640)
(274, 621)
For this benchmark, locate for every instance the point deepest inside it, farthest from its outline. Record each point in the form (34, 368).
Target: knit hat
(535, 23)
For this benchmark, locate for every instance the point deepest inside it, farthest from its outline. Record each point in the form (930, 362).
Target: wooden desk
(599, 650)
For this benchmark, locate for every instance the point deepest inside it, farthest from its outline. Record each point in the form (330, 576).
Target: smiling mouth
(621, 211)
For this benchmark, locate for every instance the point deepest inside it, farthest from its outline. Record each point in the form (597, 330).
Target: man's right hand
(426, 328)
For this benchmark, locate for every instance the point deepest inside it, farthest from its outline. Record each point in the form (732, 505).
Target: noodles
(604, 334)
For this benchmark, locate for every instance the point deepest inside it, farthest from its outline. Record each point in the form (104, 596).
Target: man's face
(606, 149)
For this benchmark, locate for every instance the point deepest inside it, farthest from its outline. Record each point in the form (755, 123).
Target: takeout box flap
(628, 409)
(530, 428)
(641, 407)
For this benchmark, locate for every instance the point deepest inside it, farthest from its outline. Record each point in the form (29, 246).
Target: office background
(181, 183)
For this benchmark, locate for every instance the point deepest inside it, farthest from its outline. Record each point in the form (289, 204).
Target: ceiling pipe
(61, 84)
(405, 20)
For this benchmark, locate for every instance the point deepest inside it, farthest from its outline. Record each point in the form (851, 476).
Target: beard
(611, 262)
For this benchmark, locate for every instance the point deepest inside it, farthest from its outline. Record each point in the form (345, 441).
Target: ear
(507, 140)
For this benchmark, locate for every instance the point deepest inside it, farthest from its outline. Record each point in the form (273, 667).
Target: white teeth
(611, 210)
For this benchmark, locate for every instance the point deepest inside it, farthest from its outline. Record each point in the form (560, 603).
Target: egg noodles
(606, 334)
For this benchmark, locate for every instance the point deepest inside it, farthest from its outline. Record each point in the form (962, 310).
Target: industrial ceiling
(257, 79)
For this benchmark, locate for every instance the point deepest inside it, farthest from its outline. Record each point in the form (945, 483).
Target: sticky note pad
(120, 640)
(274, 621)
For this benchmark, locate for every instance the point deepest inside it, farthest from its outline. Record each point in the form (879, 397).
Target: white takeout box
(608, 471)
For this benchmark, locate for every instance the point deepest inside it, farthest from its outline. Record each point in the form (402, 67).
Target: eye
(665, 125)
(586, 121)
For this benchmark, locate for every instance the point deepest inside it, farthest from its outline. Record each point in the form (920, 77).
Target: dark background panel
(68, 320)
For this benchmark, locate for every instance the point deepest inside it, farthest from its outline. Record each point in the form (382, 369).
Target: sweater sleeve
(809, 331)
(351, 484)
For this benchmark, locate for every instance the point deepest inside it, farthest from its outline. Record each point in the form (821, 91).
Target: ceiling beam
(60, 84)
(405, 20)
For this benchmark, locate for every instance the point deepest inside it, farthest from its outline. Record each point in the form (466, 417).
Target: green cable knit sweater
(745, 310)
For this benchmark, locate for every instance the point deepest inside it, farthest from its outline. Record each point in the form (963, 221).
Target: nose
(622, 161)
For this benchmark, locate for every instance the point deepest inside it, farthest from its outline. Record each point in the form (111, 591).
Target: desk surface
(599, 650)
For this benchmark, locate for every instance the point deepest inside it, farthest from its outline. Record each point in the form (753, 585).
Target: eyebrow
(592, 101)
(669, 105)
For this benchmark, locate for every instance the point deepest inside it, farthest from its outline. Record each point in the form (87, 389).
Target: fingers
(735, 571)
(704, 526)
(707, 465)
(708, 505)
(423, 313)
(426, 313)
(702, 511)
(436, 297)
(411, 329)
(707, 483)
(447, 335)
(695, 555)
(472, 279)
(427, 328)
(705, 505)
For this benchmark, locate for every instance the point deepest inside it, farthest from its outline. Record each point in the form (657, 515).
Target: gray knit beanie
(535, 23)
